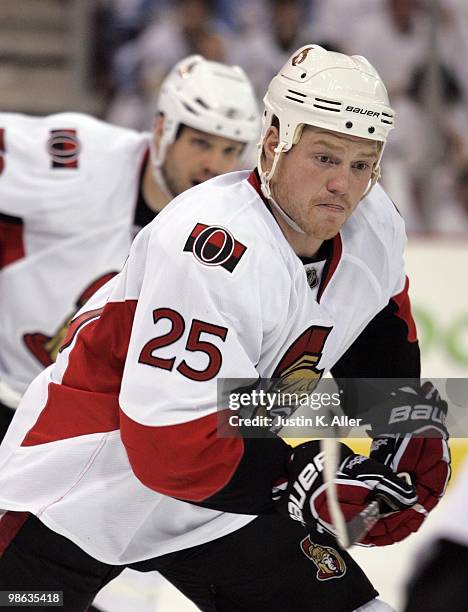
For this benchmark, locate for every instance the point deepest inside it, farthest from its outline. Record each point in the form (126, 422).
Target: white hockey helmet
(207, 96)
(328, 90)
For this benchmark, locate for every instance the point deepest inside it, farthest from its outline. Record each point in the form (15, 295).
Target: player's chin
(180, 188)
(195, 182)
(326, 231)
(326, 225)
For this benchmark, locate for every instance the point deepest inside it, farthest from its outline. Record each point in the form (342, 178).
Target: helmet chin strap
(376, 173)
(375, 176)
(265, 178)
(156, 170)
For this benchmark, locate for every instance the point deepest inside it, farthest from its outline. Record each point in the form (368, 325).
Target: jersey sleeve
(387, 347)
(32, 151)
(194, 324)
(44, 161)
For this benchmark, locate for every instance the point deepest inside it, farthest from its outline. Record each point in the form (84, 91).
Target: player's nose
(214, 164)
(339, 180)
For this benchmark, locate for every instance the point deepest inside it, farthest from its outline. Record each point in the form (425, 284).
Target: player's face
(321, 180)
(196, 157)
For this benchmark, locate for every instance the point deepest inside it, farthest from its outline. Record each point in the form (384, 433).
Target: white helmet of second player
(328, 90)
(207, 96)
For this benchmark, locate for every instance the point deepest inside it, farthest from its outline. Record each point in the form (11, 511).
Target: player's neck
(303, 245)
(155, 197)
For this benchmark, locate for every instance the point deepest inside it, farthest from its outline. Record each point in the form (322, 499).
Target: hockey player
(72, 186)
(439, 577)
(118, 442)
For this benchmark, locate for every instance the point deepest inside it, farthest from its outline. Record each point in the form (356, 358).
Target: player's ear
(270, 142)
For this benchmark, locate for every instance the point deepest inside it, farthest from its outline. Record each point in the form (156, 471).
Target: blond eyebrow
(337, 146)
(370, 155)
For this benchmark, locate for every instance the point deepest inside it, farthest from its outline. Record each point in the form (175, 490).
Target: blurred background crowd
(108, 57)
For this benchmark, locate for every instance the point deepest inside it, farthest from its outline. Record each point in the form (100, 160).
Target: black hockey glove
(409, 435)
(359, 480)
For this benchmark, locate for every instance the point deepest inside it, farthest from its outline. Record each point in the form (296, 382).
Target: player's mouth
(334, 208)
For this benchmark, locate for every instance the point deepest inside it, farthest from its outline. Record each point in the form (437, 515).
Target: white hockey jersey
(107, 439)
(68, 189)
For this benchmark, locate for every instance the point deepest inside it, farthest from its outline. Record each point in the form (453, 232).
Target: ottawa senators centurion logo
(297, 370)
(45, 348)
(330, 564)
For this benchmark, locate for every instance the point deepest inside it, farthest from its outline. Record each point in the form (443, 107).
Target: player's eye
(362, 166)
(324, 159)
(230, 151)
(201, 143)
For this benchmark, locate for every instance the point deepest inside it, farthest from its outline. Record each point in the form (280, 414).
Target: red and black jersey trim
(2, 149)
(143, 214)
(195, 464)
(77, 324)
(382, 350)
(264, 462)
(87, 400)
(333, 259)
(334, 250)
(10, 524)
(402, 308)
(386, 349)
(254, 180)
(11, 240)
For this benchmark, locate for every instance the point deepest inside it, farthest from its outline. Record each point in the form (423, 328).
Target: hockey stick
(363, 522)
(330, 448)
(347, 533)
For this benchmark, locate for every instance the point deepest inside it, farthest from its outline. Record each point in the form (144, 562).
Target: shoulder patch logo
(213, 245)
(330, 564)
(64, 148)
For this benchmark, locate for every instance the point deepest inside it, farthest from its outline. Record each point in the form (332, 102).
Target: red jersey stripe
(331, 264)
(77, 324)
(404, 311)
(11, 240)
(10, 523)
(73, 412)
(87, 401)
(188, 460)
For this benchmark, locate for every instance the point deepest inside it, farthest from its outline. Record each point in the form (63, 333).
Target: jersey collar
(336, 245)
